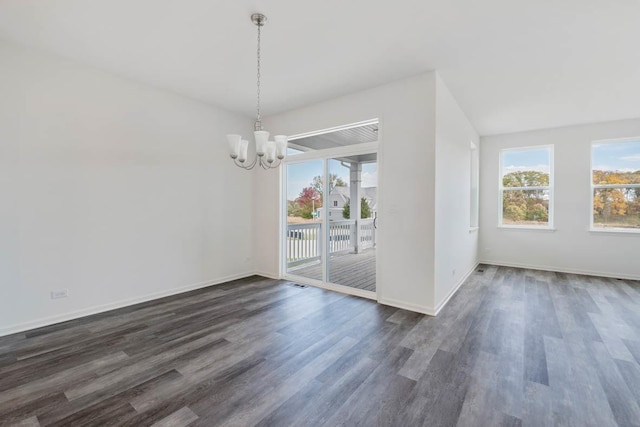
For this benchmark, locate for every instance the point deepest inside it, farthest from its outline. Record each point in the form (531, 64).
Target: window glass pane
(304, 225)
(352, 226)
(616, 208)
(526, 168)
(525, 207)
(616, 162)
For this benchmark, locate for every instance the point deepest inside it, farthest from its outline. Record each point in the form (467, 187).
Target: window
(474, 169)
(615, 185)
(526, 187)
(335, 203)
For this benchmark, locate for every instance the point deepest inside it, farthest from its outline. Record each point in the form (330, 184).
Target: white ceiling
(513, 65)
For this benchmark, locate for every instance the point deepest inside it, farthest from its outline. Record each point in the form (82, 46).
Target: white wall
(572, 247)
(116, 191)
(456, 248)
(406, 110)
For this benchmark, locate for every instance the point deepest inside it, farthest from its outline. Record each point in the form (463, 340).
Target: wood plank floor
(513, 347)
(353, 270)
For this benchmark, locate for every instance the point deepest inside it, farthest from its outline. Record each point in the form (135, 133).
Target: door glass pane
(351, 249)
(304, 221)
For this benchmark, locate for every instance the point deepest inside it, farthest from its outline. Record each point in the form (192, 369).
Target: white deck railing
(304, 241)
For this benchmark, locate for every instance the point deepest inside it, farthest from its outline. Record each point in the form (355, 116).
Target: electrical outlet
(59, 293)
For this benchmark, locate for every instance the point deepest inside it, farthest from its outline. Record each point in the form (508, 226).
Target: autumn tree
(621, 205)
(609, 202)
(525, 179)
(525, 205)
(308, 200)
(632, 196)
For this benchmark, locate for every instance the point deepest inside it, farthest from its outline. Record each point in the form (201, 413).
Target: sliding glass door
(352, 212)
(303, 240)
(331, 222)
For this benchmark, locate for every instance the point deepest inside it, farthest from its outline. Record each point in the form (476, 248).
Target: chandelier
(269, 154)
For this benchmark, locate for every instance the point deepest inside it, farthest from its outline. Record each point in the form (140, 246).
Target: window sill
(618, 231)
(527, 228)
(473, 229)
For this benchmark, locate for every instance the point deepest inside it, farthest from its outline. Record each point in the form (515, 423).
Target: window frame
(474, 187)
(594, 187)
(550, 188)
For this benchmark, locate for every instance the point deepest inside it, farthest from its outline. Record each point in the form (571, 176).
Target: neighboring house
(339, 196)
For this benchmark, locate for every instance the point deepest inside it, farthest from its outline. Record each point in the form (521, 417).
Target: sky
(300, 175)
(609, 156)
(617, 156)
(525, 160)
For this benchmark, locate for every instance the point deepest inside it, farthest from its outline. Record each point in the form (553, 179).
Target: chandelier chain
(258, 117)
(269, 154)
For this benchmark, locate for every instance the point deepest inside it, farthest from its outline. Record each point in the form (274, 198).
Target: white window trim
(474, 196)
(611, 230)
(550, 188)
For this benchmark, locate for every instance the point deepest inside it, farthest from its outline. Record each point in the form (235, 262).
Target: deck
(353, 270)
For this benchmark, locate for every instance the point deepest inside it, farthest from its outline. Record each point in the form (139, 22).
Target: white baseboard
(46, 321)
(430, 311)
(407, 306)
(452, 292)
(350, 291)
(562, 270)
(267, 275)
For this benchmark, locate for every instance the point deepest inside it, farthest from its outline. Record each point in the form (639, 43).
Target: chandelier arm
(247, 166)
(276, 163)
(254, 163)
(255, 160)
(273, 165)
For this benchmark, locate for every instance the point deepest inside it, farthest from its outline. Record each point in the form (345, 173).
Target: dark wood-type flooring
(513, 347)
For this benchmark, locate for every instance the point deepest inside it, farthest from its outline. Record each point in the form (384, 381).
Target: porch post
(354, 203)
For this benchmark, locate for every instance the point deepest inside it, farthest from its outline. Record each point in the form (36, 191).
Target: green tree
(292, 208)
(525, 179)
(365, 209)
(537, 212)
(514, 213)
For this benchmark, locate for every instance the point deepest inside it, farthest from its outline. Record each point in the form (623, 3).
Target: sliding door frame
(324, 156)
